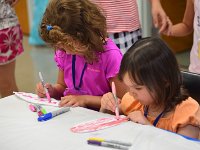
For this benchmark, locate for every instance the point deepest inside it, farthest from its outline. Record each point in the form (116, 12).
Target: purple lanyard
(74, 73)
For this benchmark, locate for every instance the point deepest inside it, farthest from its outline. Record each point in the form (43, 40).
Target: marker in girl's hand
(116, 100)
(43, 84)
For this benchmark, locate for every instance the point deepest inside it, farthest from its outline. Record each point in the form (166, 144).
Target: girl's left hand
(168, 30)
(138, 117)
(72, 100)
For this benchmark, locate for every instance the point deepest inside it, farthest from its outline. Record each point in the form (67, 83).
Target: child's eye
(138, 88)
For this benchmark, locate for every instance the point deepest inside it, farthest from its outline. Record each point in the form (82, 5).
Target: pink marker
(32, 108)
(43, 84)
(116, 100)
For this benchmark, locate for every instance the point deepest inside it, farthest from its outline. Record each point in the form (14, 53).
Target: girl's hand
(168, 30)
(73, 100)
(40, 90)
(159, 15)
(108, 102)
(138, 117)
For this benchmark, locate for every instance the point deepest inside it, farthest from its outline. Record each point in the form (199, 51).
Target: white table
(20, 130)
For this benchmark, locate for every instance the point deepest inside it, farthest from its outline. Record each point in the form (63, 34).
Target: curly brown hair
(75, 21)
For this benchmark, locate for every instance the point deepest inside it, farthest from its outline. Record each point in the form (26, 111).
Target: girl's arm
(186, 26)
(59, 87)
(190, 131)
(93, 102)
(56, 90)
(87, 101)
(90, 101)
(160, 19)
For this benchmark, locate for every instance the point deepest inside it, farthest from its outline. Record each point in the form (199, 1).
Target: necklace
(157, 118)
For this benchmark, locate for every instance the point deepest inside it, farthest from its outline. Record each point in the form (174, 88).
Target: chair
(191, 81)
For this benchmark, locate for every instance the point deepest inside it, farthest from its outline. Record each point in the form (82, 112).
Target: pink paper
(33, 98)
(98, 124)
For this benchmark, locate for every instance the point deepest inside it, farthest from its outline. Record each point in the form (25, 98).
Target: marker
(40, 109)
(50, 115)
(110, 141)
(45, 89)
(37, 108)
(32, 108)
(116, 100)
(105, 144)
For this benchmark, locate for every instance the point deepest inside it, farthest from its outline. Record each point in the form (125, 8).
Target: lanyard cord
(157, 118)
(73, 73)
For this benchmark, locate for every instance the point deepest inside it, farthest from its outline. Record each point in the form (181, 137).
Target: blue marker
(50, 115)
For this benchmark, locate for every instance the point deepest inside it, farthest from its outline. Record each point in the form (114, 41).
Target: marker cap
(45, 117)
(94, 142)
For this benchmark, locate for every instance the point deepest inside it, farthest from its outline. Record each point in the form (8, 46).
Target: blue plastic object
(39, 7)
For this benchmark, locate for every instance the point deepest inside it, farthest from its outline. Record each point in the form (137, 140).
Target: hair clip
(49, 27)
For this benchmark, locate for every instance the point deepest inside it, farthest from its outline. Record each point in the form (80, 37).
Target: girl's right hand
(108, 102)
(138, 117)
(40, 90)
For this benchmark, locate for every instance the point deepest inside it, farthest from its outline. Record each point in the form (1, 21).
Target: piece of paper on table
(98, 124)
(33, 98)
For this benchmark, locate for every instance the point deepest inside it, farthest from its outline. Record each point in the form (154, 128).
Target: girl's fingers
(48, 85)
(40, 91)
(67, 101)
(63, 101)
(169, 28)
(75, 105)
(108, 104)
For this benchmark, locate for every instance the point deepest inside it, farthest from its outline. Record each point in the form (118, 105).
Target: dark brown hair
(150, 62)
(75, 21)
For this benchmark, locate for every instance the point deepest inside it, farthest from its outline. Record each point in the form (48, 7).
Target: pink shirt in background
(121, 15)
(96, 76)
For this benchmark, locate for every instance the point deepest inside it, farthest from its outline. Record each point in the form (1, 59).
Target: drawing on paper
(33, 98)
(98, 124)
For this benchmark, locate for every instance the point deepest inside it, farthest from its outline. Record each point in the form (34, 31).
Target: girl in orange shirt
(156, 96)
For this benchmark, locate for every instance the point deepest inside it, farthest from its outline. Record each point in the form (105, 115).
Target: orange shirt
(121, 15)
(188, 112)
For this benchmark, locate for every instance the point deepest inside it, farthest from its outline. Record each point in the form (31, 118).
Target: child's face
(139, 92)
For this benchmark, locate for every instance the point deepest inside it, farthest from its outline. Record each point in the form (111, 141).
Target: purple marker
(45, 89)
(107, 144)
